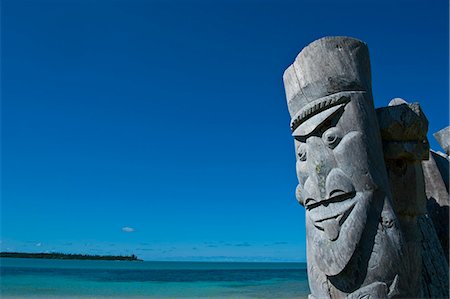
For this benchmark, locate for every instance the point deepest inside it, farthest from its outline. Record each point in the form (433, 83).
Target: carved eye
(301, 151)
(331, 137)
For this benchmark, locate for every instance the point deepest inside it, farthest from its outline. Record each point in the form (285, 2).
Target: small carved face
(335, 181)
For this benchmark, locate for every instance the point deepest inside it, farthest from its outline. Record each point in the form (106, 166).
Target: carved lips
(330, 213)
(329, 217)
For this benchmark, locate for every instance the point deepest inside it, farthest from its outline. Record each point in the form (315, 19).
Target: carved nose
(320, 162)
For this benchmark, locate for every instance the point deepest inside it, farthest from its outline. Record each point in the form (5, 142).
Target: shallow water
(41, 278)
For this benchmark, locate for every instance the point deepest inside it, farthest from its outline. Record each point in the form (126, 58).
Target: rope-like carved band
(316, 107)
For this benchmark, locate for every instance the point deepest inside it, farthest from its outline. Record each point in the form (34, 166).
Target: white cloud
(127, 229)
(39, 244)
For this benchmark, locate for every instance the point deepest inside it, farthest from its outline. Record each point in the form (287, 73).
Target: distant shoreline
(64, 256)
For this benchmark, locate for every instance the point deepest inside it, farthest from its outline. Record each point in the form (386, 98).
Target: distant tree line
(68, 256)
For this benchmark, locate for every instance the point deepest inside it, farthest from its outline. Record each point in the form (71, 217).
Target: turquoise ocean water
(41, 278)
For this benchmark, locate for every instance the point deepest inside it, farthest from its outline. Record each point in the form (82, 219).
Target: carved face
(336, 178)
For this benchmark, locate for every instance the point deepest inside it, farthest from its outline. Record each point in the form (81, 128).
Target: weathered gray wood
(435, 279)
(355, 245)
(443, 137)
(438, 198)
(402, 121)
(376, 214)
(403, 129)
(402, 124)
(420, 194)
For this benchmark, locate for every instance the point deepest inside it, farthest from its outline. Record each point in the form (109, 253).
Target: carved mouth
(329, 215)
(339, 218)
(335, 196)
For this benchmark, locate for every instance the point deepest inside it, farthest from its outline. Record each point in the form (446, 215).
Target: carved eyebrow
(313, 108)
(316, 123)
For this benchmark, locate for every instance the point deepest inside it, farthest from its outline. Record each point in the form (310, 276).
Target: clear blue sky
(170, 118)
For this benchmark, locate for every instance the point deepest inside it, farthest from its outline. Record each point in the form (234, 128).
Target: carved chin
(334, 231)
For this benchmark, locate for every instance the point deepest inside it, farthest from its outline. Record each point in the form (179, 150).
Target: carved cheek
(351, 157)
(302, 175)
(302, 171)
(301, 150)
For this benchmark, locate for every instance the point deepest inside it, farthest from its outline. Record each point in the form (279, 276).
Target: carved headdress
(323, 69)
